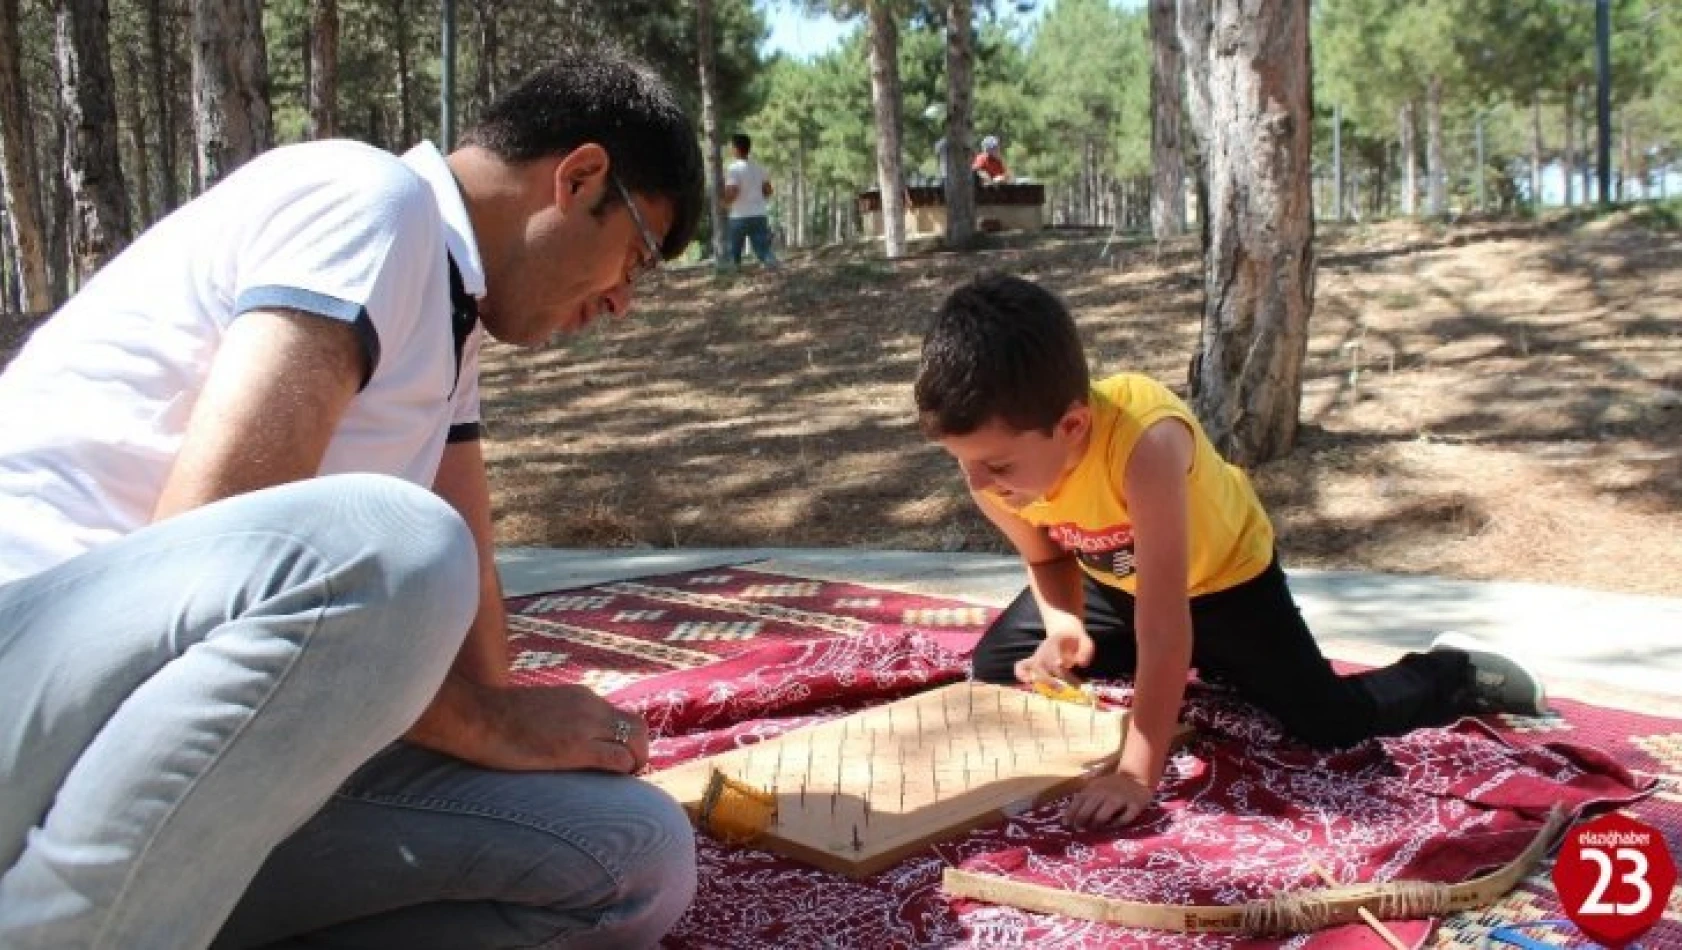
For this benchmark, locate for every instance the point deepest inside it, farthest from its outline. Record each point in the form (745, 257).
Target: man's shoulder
(347, 155)
(349, 168)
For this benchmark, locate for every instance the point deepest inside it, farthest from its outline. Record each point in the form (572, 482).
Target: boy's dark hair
(603, 97)
(741, 143)
(1003, 348)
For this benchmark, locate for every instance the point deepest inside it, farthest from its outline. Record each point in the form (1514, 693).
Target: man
(245, 544)
(747, 190)
(989, 167)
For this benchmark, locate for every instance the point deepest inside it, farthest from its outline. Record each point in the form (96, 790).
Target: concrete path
(1613, 649)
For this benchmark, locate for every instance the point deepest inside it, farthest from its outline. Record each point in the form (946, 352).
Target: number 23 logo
(1636, 877)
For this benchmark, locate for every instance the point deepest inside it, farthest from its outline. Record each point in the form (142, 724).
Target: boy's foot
(1500, 683)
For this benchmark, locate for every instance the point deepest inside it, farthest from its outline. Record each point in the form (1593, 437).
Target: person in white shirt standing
(253, 655)
(747, 192)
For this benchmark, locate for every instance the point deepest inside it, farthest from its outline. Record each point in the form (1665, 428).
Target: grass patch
(861, 272)
(1659, 215)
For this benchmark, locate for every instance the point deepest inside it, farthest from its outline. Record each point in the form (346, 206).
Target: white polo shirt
(749, 178)
(96, 405)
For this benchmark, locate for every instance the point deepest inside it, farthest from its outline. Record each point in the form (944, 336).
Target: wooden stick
(1384, 933)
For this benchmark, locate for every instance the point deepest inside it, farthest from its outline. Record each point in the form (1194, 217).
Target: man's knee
(628, 871)
(396, 569)
(412, 552)
(659, 877)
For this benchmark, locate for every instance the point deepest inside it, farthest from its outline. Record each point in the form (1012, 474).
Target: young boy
(1147, 553)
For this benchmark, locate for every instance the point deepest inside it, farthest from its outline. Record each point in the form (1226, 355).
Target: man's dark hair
(741, 143)
(1002, 348)
(603, 97)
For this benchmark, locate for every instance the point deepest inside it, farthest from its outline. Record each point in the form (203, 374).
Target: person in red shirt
(989, 168)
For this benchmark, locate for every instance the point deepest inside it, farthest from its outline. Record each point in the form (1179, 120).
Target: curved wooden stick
(1296, 912)
(1376, 925)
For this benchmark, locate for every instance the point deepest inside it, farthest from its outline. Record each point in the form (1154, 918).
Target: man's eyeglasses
(649, 262)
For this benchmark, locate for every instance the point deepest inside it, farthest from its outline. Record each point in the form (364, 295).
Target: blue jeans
(420, 851)
(756, 231)
(176, 704)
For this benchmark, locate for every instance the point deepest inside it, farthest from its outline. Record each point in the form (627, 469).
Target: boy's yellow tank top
(1231, 538)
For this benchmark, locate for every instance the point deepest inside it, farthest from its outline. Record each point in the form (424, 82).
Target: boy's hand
(1057, 656)
(1115, 798)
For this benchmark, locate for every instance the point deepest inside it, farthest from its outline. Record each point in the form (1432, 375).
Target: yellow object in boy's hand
(1056, 657)
(1082, 695)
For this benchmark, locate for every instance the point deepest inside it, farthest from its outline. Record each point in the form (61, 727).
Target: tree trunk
(1626, 158)
(484, 77)
(1479, 162)
(161, 84)
(885, 96)
(1536, 149)
(1587, 164)
(1195, 21)
(137, 138)
(800, 196)
(1094, 185)
(323, 91)
(1352, 192)
(230, 86)
(8, 301)
(1436, 176)
(406, 133)
(1168, 160)
(1338, 178)
(18, 170)
(1569, 170)
(1410, 159)
(92, 161)
(1381, 186)
(960, 112)
(60, 213)
(1246, 381)
(713, 147)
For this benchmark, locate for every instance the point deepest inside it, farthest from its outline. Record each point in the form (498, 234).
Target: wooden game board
(857, 794)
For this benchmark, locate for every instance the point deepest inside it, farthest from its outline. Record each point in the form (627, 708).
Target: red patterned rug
(725, 657)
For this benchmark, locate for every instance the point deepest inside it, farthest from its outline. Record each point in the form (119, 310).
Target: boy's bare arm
(1155, 487)
(1053, 576)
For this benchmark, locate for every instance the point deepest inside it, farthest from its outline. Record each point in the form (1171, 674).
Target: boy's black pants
(1252, 638)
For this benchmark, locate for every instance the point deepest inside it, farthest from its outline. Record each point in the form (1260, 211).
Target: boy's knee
(993, 666)
(1327, 730)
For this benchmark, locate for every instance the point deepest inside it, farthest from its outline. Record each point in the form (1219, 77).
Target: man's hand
(1115, 798)
(537, 729)
(1057, 656)
(561, 729)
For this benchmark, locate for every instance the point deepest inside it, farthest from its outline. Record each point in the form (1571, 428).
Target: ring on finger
(622, 732)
